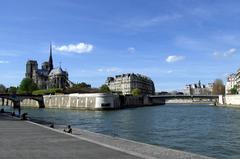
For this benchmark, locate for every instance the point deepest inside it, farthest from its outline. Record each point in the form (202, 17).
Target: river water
(202, 129)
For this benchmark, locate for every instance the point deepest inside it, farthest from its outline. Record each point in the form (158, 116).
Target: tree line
(27, 86)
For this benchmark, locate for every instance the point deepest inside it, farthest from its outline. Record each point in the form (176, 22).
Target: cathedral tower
(50, 59)
(31, 66)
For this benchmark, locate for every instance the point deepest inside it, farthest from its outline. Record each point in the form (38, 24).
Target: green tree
(47, 91)
(12, 90)
(136, 92)
(104, 89)
(27, 86)
(218, 87)
(81, 88)
(82, 85)
(234, 90)
(2, 88)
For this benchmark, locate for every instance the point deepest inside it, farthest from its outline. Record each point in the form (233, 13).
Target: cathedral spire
(50, 58)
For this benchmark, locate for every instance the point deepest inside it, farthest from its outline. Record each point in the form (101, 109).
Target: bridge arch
(17, 99)
(40, 102)
(6, 98)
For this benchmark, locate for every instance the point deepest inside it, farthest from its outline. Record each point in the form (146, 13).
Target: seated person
(13, 114)
(68, 130)
(2, 110)
(24, 116)
(52, 125)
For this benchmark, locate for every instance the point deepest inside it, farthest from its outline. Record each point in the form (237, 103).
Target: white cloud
(230, 52)
(108, 70)
(75, 48)
(227, 53)
(131, 49)
(174, 58)
(170, 71)
(9, 54)
(3, 62)
(152, 21)
(216, 54)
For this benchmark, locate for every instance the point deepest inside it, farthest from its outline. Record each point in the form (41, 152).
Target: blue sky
(174, 42)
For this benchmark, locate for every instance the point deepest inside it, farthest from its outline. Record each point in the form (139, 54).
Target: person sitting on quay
(68, 130)
(52, 125)
(2, 110)
(24, 116)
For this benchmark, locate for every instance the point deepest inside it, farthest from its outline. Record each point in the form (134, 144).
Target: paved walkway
(24, 140)
(27, 140)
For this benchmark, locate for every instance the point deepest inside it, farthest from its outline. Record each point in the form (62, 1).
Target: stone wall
(157, 101)
(138, 101)
(177, 101)
(132, 101)
(29, 103)
(77, 101)
(72, 102)
(89, 101)
(231, 100)
(188, 101)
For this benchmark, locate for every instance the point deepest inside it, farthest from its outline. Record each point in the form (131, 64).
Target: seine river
(202, 129)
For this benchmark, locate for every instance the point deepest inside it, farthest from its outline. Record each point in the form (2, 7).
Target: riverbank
(228, 105)
(90, 101)
(145, 150)
(102, 101)
(27, 139)
(229, 101)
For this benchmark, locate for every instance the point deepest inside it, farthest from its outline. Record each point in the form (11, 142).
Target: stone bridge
(17, 98)
(157, 99)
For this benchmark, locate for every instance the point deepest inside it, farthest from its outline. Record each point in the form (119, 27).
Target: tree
(2, 88)
(81, 88)
(104, 89)
(234, 90)
(218, 87)
(136, 92)
(12, 90)
(27, 86)
(47, 91)
(82, 85)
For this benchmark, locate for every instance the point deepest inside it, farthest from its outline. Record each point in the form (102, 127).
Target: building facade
(231, 82)
(237, 80)
(125, 83)
(48, 76)
(198, 89)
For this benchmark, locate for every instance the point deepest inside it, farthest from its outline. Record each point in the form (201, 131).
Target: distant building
(237, 80)
(47, 77)
(198, 89)
(125, 83)
(232, 80)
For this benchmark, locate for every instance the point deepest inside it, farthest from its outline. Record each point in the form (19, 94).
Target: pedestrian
(68, 130)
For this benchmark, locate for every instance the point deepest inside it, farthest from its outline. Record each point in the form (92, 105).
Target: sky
(174, 42)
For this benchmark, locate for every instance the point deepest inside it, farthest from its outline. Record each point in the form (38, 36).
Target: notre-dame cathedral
(48, 76)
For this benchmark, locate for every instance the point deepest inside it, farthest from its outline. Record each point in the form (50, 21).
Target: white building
(232, 80)
(237, 80)
(198, 89)
(125, 83)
